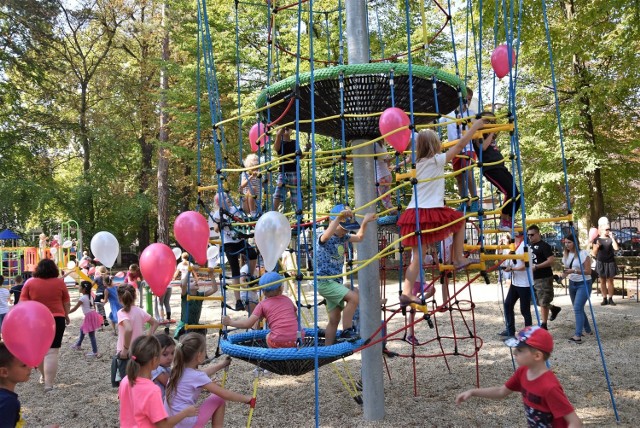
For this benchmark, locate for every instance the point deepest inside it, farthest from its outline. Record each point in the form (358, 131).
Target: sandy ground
(83, 396)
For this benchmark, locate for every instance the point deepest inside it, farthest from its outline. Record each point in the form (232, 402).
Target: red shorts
(460, 162)
(286, 344)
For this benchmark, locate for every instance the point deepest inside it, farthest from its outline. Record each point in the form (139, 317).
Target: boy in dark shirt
(12, 371)
(17, 289)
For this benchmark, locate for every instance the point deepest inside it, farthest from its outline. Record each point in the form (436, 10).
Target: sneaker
(555, 310)
(349, 334)
(505, 333)
(388, 353)
(544, 325)
(75, 347)
(611, 302)
(239, 305)
(605, 302)
(505, 226)
(93, 354)
(412, 340)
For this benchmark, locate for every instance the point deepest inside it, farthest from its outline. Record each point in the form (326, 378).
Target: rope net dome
(367, 92)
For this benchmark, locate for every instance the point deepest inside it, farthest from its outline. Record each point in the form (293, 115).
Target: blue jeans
(92, 338)
(513, 295)
(579, 293)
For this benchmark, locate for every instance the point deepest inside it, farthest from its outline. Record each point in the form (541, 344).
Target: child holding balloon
(427, 204)
(12, 372)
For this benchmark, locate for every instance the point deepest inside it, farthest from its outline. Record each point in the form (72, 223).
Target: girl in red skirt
(427, 204)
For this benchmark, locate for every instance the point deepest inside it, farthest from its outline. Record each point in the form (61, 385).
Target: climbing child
(140, 399)
(131, 322)
(160, 375)
(12, 372)
(545, 402)
(186, 382)
(111, 296)
(427, 203)
(249, 298)
(497, 173)
(278, 310)
(92, 319)
(383, 175)
(332, 246)
(250, 184)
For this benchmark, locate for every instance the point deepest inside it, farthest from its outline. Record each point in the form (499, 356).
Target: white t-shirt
(4, 300)
(455, 131)
(573, 262)
(519, 277)
(431, 193)
(382, 166)
(86, 303)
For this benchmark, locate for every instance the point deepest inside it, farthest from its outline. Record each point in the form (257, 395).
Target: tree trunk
(86, 156)
(163, 160)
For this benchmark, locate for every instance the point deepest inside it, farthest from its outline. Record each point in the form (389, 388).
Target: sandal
(574, 340)
(464, 264)
(406, 301)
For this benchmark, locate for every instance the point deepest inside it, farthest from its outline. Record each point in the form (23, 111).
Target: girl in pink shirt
(140, 399)
(279, 311)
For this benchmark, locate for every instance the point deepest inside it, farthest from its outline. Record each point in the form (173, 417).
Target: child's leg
(351, 299)
(412, 272)
(80, 339)
(332, 326)
(212, 409)
(166, 301)
(457, 250)
(94, 345)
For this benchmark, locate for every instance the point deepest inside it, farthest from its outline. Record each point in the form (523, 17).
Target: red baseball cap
(533, 336)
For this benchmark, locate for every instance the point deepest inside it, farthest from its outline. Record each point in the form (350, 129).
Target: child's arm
(240, 323)
(78, 304)
(329, 231)
(154, 325)
(572, 420)
(363, 228)
(162, 378)
(211, 370)
(493, 392)
(172, 421)
(128, 332)
(453, 151)
(227, 395)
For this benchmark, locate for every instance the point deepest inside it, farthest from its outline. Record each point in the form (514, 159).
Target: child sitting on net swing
(427, 205)
(278, 310)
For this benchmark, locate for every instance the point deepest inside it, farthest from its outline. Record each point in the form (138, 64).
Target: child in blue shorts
(329, 262)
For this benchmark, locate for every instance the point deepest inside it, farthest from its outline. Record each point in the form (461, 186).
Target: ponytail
(186, 350)
(127, 295)
(143, 350)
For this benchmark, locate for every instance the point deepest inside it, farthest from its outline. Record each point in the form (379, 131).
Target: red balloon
(157, 264)
(192, 233)
(392, 119)
(257, 136)
(593, 234)
(28, 330)
(500, 60)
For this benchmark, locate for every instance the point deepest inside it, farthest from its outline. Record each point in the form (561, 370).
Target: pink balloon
(120, 274)
(392, 119)
(28, 330)
(593, 234)
(256, 131)
(84, 263)
(500, 60)
(157, 264)
(91, 271)
(192, 233)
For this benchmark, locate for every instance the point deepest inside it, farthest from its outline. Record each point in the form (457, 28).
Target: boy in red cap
(545, 402)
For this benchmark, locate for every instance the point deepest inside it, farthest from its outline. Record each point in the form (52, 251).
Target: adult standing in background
(542, 266)
(518, 290)
(604, 248)
(48, 288)
(574, 262)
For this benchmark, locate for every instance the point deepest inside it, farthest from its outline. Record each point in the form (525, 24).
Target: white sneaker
(505, 226)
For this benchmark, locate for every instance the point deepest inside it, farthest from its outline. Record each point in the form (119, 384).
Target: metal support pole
(365, 191)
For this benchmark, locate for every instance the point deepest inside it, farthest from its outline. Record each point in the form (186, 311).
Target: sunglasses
(531, 234)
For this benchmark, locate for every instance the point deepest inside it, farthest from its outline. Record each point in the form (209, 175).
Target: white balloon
(71, 265)
(213, 256)
(272, 234)
(53, 250)
(105, 248)
(67, 244)
(177, 252)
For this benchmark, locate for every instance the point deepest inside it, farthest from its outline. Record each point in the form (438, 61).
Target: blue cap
(270, 277)
(349, 223)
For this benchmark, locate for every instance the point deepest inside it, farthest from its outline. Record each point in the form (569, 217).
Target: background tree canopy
(81, 99)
